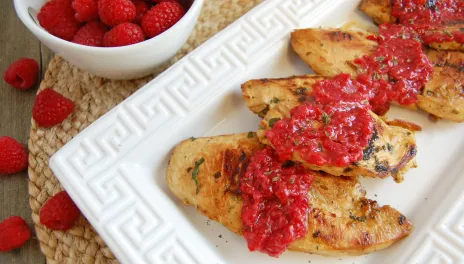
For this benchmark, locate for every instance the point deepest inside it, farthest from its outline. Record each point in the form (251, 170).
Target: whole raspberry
(86, 10)
(22, 74)
(161, 17)
(13, 157)
(123, 35)
(115, 12)
(57, 17)
(14, 233)
(91, 34)
(59, 213)
(51, 108)
(141, 8)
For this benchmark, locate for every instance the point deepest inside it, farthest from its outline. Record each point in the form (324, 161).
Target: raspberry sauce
(275, 208)
(429, 18)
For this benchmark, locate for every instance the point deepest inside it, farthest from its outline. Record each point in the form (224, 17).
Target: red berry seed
(59, 213)
(91, 34)
(51, 108)
(22, 74)
(13, 156)
(161, 17)
(14, 233)
(57, 17)
(115, 12)
(123, 34)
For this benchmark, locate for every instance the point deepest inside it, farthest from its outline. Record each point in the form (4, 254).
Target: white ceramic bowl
(125, 62)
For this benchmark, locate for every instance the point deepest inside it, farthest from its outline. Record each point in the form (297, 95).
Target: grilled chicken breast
(380, 12)
(391, 151)
(341, 220)
(332, 51)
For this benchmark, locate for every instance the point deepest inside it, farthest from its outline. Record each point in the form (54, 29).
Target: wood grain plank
(15, 114)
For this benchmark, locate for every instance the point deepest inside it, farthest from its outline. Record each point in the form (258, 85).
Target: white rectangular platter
(115, 169)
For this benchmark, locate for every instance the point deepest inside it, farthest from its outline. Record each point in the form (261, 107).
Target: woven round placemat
(93, 97)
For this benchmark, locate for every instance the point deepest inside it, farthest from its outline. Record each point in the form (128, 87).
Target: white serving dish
(118, 63)
(115, 169)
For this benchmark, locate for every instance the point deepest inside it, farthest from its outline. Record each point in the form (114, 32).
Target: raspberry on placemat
(51, 108)
(13, 156)
(14, 233)
(161, 17)
(115, 12)
(86, 10)
(57, 17)
(22, 74)
(91, 34)
(123, 35)
(59, 213)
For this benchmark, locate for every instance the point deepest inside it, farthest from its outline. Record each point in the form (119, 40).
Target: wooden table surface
(15, 120)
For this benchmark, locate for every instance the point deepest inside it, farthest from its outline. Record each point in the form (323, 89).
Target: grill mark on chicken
(234, 167)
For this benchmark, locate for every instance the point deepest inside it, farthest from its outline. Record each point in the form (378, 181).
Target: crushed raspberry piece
(59, 213)
(123, 34)
(57, 17)
(141, 8)
(14, 233)
(22, 74)
(91, 34)
(86, 10)
(13, 156)
(51, 108)
(161, 17)
(115, 12)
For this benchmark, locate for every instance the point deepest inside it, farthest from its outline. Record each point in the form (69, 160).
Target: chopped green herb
(380, 58)
(411, 21)
(276, 178)
(447, 33)
(325, 118)
(296, 142)
(195, 172)
(358, 218)
(292, 180)
(376, 76)
(390, 148)
(275, 100)
(272, 121)
(327, 134)
(267, 172)
(395, 61)
(192, 138)
(250, 135)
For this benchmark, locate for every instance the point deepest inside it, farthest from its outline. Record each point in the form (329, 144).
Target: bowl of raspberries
(115, 39)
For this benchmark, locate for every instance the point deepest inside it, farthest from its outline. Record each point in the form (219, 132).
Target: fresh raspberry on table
(13, 156)
(141, 8)
(14, 233)
(51, 108)
(59, 212)
(57, 17)
(161, 17)
(123, 34)
(91, 34)
(86, 10)
(115, 12)
(22, 74)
